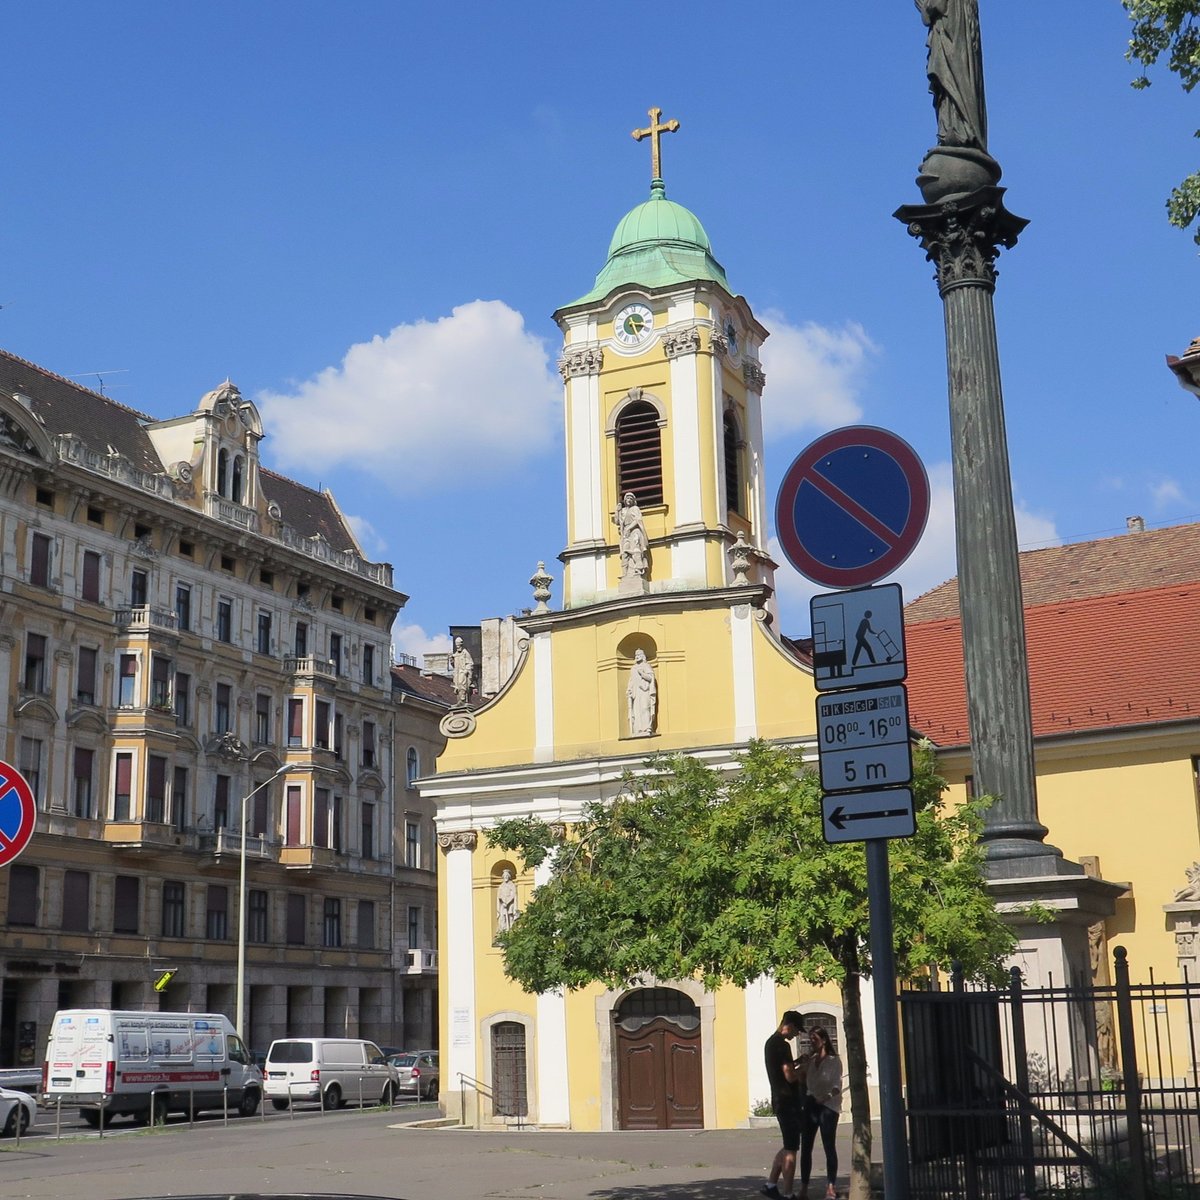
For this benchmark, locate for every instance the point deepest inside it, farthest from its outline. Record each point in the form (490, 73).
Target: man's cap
(791, 1017)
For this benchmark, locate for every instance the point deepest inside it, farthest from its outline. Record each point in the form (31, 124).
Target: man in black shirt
(787, 1096)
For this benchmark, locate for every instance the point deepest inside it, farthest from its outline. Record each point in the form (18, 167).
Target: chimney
(1135, 525)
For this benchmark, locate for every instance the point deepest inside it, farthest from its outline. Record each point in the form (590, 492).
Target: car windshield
(290, 1052)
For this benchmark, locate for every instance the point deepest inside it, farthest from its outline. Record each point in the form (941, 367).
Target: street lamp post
(241, 950)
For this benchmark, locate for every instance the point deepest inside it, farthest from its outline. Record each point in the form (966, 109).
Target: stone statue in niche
(641, 695)
(631, 529)
(464, 667)
(506, 902)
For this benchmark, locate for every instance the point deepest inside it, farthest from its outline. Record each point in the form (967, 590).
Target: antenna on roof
(99, 377)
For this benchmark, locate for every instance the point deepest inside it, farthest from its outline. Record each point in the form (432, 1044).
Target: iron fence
(1068, 1092)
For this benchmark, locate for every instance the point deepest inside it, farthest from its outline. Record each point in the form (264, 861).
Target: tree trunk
(856, 1068)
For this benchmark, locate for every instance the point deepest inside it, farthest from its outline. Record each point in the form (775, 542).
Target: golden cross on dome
(654, 133)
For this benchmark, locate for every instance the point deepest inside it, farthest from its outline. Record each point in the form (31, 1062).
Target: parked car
(418, 1072)
(17, 1111)
(331, 1070)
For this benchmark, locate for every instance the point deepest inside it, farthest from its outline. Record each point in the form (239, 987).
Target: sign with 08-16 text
(862, 739)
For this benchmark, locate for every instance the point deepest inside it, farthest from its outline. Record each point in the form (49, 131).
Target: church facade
(665, 640)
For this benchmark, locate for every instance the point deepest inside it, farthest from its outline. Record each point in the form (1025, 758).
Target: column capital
(963, 236)
(587, 361)
(459, 839)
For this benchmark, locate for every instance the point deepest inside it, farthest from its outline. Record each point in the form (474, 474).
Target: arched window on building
(236, 493)
(412, 766)
(222, 472)
(639, 453)
(734, 499)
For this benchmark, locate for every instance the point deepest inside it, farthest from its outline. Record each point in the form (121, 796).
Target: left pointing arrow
(840, 816)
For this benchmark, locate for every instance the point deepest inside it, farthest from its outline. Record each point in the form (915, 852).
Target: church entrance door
(659, 1057)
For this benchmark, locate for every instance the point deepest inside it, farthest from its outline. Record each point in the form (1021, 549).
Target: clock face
(731, 336)
(633, 324)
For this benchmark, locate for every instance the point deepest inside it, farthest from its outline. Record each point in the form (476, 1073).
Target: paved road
(370, 1154)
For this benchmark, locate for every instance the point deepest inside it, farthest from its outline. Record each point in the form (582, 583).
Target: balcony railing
(229, 841)
(309, 665)
(422, 961)
(141, 618)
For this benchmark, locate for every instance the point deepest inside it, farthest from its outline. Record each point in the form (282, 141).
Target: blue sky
(365, 213)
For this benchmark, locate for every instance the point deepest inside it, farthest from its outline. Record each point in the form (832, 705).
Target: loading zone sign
(858, 637)
(862, 739)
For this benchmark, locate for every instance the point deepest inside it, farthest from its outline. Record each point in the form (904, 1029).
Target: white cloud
(930, 564)
(813, 375)
(369, 538)
(436, 401)
(1165, 492)
(414, 641)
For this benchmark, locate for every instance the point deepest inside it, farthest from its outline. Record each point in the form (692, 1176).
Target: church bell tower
(660, 365)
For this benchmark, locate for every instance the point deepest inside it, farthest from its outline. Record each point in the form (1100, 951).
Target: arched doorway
(659, 1061)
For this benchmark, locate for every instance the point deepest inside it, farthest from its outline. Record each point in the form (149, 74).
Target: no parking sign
(852, 506)
(18, 813)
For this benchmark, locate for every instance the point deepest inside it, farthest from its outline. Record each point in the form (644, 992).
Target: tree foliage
(696, 872)
(726, 876)
(1170, 27)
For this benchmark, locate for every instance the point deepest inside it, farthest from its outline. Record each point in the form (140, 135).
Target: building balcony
(309, 665)
(421, 961)
(146, 836)
(311, 858)
(146, 618)
(231, 513)
(224, 842)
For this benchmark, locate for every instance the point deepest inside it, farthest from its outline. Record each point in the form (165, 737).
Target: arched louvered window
(733, 465)
(639, 454)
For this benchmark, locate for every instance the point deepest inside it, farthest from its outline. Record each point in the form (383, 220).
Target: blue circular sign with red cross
(18, 813)
(852, 506)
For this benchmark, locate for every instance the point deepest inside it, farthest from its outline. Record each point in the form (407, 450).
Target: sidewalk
(369, 1156)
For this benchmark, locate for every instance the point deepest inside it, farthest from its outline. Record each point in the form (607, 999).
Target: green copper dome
(657, 244)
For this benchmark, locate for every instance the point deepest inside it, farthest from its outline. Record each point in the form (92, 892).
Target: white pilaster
(543, 698)
(745, 706)
(761, 1021)
(553, 1094)
(459, 977)
(685, 441)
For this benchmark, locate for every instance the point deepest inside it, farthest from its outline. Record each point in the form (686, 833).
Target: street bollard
(225, 1103)
(360, 1094)
(191, 1107)
(102, 1118)
(58, 1119)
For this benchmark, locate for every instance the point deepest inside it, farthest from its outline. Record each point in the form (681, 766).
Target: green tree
(1170, 27)
(725, 876)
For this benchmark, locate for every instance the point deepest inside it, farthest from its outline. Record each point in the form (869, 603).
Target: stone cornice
(723, 597)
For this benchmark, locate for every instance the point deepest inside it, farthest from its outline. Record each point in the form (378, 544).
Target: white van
(146, 1064)
(332, 1070)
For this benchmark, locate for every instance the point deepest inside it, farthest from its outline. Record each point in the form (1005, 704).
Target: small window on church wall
(639, 454)
(733, 466)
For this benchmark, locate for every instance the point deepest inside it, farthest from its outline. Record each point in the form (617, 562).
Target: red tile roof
(1105, 650)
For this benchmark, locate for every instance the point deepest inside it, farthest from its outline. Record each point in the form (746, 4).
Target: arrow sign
(865, 816)
(840, 816)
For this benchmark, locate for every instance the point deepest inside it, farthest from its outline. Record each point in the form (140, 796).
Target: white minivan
(146, 1064)
(331, 1070)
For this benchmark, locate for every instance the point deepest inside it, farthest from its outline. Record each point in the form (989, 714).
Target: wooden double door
(659, 1076)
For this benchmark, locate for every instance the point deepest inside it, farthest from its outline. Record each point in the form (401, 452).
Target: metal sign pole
(887, 1030)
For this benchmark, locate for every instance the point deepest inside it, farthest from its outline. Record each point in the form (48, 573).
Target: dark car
(419, 1073)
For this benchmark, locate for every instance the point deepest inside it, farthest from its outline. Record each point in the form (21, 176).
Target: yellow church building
(666, 640)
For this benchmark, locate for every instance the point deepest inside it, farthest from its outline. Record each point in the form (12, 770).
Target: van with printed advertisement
(145, 1065)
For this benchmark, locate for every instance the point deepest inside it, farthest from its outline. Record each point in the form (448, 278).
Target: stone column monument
(962, 226)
